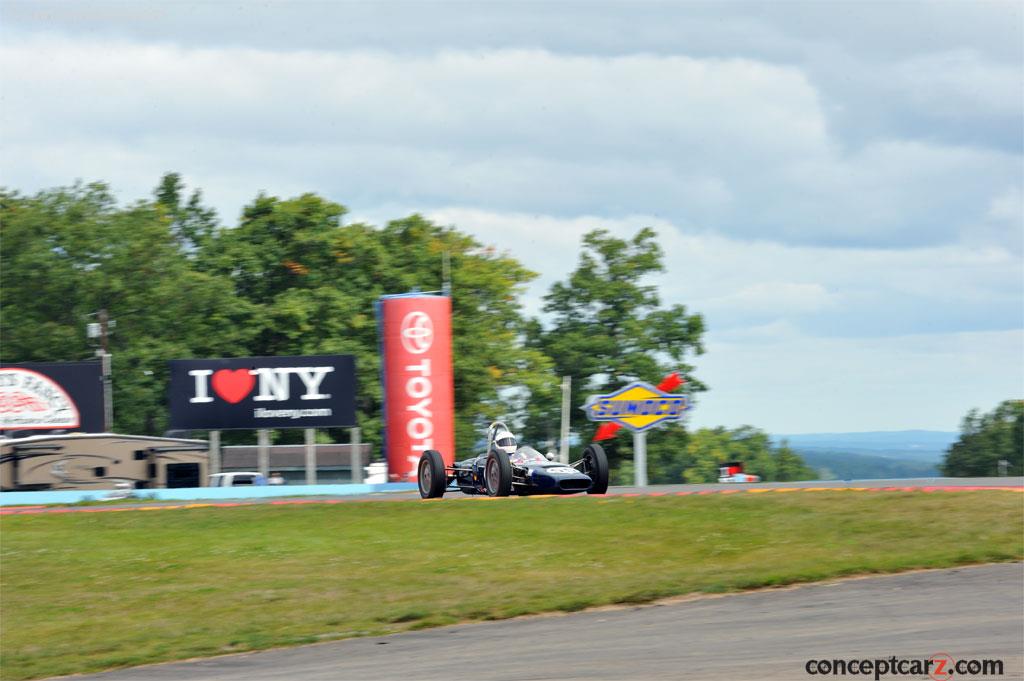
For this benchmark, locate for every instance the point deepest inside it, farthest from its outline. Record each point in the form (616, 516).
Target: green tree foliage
(70, 252)
(290, 279)
(607, 328)
(986, 439)
(709, 448)
(192, 223)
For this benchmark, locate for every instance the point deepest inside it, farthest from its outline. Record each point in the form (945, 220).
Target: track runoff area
(826, 630)
(925, 485)
(968, 615)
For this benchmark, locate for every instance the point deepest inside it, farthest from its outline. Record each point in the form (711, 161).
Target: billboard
(416, 372)
(263, 392)
(52, 396)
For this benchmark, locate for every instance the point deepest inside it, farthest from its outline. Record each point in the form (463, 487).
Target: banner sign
(416, 372)
(263, 392)
(52, 396)
(638, 406)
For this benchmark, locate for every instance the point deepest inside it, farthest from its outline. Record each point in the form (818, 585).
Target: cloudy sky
(837, 185)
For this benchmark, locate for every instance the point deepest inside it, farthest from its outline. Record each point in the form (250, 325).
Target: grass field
(89, 591)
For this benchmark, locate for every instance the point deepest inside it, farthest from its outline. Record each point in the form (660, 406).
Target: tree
(70, 252)
(290, 279)
(607, 328)
(987, 439)
(192, 223)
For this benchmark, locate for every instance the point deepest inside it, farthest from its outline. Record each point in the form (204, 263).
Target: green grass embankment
(89, 591)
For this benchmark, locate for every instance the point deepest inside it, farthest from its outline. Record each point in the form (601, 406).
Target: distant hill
(872, 455)
(840, 465)
(885, 440)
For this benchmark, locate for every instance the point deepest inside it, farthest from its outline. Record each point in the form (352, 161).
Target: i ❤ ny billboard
(263, 392)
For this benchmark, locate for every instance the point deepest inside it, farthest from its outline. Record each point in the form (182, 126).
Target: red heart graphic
(233, 386)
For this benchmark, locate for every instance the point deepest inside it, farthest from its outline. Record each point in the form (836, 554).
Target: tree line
(990, 444)
(294, 278)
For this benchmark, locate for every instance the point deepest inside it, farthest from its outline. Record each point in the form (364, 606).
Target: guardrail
(196, 493)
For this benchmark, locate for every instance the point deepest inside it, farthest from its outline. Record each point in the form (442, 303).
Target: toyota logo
(417, 332)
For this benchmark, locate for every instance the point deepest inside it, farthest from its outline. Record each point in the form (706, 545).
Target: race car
(733, 472)
(506, 468)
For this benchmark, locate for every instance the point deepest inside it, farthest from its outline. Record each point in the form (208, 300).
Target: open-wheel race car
(507, 468)
(733, 472)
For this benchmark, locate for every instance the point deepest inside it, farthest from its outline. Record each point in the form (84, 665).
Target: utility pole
(104, 355)
(563, 448)
(446, 274)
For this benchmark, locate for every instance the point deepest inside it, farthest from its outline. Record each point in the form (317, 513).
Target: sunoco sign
(638, 406)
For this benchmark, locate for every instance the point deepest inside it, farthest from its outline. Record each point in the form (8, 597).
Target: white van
(237, 479)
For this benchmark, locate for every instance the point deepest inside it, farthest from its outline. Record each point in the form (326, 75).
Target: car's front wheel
(595, 464)
(430, 475)
(498, 474)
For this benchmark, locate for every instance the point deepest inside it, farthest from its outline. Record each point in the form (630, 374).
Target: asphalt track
(966, 613)
(895, 485)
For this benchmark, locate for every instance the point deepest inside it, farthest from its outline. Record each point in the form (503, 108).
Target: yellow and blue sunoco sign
(638, 406)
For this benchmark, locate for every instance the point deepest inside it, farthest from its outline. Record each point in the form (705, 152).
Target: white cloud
(774, 299)
(734, 145)
(738, 283)
(958, 82)
(791, 383)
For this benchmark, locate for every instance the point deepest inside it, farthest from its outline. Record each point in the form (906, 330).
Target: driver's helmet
(503, 439)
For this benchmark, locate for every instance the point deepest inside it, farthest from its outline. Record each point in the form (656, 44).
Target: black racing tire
(595, 464)
(431, 476)
(498, 474)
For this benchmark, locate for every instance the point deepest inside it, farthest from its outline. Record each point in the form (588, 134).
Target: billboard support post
(640, 459)
(310, 435)
(263, 451)
(214, 452)
(356, 458)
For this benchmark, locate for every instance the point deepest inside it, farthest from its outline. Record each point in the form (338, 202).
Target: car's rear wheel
(431, 475)
(595, 464)
(498, 474)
